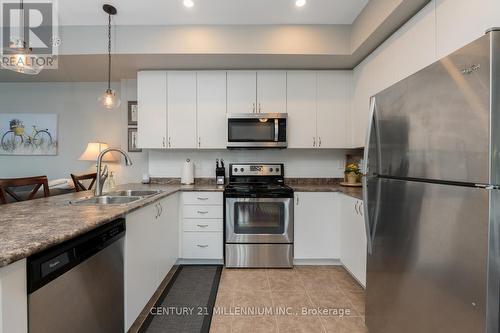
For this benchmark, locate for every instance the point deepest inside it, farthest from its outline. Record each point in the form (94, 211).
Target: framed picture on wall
(132, 113)
(28, 134)
(132, 141)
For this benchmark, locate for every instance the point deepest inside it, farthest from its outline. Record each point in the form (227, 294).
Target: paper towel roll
(188, 173)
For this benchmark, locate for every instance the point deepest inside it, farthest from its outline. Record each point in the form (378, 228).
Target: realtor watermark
(249, 311)
(29, 34)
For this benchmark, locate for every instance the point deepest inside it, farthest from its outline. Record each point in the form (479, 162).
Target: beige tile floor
(309, 288)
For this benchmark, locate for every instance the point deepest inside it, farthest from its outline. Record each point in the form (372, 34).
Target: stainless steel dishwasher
(77, 286)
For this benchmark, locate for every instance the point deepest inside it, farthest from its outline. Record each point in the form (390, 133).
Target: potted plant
(352, 173)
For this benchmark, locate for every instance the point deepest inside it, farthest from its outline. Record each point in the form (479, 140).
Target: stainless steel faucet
(103, 175)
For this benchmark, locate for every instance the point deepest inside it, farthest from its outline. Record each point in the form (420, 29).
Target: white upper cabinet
(301, 108)
(241, 91)
(333, 107)
(187, 109)
(212, 131)
(181, 109)
(271, 91)
(152, 109)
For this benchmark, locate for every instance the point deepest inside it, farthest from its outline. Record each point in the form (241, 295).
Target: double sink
(117, 197)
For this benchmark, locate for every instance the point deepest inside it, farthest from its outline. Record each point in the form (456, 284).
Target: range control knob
(271, 169)
(277, 169)
(235, 169)
(241, 169)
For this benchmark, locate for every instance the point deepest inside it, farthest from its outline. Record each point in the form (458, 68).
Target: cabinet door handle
(157, 211)
(202, 246)
(320, 141)
(161, 209)
(253, 107)
(163, 144)
(356, 207)
(199, 142)
(297, 201)
(361, 208)
(200, 198)
(260, 108)
(169, 142)
(202, 225)
(202, 212)
(314, 141)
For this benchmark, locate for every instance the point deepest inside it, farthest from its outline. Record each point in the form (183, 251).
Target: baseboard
(353, 276)
(328, 262)
(200, 262)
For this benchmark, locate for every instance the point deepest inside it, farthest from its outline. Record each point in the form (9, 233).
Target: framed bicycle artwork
(28, 134)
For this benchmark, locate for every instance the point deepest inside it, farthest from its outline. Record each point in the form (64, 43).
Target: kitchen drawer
(202, 198)
(202, 225)
(202, 212)
(202, 245)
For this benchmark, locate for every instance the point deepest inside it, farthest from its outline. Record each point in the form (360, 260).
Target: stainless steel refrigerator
(432, 198)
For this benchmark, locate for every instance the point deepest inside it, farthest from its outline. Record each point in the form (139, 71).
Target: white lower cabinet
(353, 237)
(13, 298)
(316, 230)
(202, 245)
(330, 225)
(202, 226)
(151, 249)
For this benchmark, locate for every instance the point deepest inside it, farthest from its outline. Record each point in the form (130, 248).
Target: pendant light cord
(109, 52)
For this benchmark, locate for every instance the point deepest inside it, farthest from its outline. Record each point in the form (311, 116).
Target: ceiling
(173, 12)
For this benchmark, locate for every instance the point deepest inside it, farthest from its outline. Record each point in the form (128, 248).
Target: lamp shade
(93, 150)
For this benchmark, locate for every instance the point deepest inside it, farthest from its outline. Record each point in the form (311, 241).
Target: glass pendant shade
(109, 100)
(21, 60)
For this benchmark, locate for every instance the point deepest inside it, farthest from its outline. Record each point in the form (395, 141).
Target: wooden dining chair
(79, 186)
(7, 184)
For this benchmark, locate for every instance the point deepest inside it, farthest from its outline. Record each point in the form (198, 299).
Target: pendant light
(21, 59)
(109, 99)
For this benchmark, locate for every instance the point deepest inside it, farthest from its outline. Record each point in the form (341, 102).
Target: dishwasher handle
(45, 266)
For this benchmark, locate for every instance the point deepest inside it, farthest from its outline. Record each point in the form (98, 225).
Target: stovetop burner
(257, 179)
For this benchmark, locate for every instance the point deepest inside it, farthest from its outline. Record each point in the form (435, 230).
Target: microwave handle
(276, 129)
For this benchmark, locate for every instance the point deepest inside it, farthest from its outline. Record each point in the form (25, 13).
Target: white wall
(442, 27)
(80, 120)
(301, 163)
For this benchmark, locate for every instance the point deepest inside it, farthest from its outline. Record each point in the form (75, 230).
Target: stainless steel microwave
(256, 130)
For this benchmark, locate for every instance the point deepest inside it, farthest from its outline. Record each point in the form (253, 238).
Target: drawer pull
(202, 246)
(202, 212)
(202, 198)
(202, 225)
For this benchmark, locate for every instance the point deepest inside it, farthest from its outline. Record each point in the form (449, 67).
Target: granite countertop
(31, 226)
(323, 185)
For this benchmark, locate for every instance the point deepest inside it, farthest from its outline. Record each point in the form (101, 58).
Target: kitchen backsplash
(300, 163)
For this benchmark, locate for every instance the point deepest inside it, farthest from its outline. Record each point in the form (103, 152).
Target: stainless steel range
(258, 217)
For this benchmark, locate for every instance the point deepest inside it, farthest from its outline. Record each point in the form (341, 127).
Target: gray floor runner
(186, 304)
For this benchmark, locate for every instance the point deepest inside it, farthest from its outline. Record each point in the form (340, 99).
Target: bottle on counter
(111, 181)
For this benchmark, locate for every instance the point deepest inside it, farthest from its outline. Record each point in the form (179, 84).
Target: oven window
(250, 130)
(259, 218)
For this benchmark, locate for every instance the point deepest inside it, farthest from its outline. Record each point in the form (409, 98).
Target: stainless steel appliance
(256, 130)
(432, 199)
(258, 217)
(78, 286)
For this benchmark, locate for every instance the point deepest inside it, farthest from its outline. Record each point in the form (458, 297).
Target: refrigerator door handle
(365, 172)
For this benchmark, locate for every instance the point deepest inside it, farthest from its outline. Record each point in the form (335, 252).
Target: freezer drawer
(427, 269)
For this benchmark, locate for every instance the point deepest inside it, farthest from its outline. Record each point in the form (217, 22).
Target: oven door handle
(276, 129)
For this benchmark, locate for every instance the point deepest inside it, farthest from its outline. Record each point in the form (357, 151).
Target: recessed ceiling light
(300, 3)
(188, 3)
